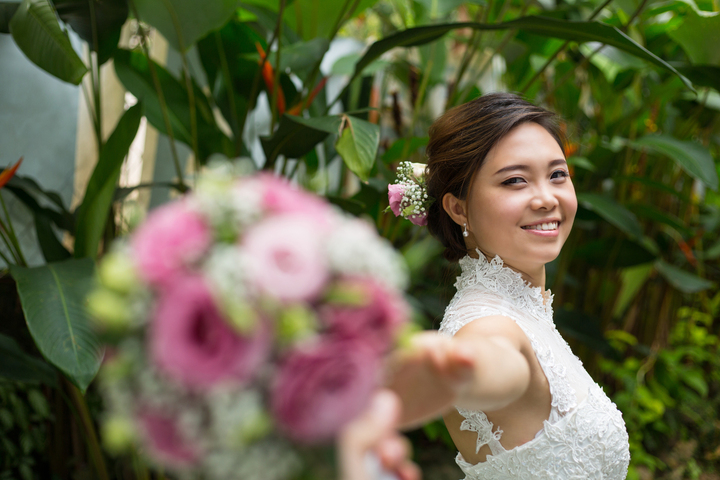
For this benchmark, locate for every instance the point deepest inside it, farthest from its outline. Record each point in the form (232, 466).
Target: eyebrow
(559, 161)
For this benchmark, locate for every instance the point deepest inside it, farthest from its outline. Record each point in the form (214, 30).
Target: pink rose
(170, 239)
(192, 343)
(279, 196)
(165, 440)
(376, 321)
(285, 257)
(320, 389)
(395, 195)
(420, 220)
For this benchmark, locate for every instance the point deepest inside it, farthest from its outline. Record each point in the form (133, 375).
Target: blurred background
(333, 94)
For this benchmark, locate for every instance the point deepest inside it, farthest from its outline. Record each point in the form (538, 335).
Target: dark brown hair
(459, 142)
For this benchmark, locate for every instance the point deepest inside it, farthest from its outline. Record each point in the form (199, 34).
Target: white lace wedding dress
(585, 436)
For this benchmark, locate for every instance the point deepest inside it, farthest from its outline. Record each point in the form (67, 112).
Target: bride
(524, 406)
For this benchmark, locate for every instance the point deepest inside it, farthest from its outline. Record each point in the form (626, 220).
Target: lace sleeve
(467, 305)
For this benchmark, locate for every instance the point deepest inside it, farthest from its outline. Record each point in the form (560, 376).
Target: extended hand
(428, 376)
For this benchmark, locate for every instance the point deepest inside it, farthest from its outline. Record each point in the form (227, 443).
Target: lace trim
(498, 278)
(477, 421)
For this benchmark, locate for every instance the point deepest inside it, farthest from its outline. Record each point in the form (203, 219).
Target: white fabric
(585, 437)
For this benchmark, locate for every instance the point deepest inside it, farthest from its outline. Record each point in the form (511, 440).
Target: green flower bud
(350, 294)
(109, 309)
(117, 272)
(295, 323)
(118, 434)
(241, 316)
(256, 427)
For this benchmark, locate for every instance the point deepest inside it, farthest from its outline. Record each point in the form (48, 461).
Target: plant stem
(161, 99)
(472, 46)
(80, 404)
(188, 80)
(276, 77)
(231, 93)
(592, 16)
(587, 59)
(11, 233)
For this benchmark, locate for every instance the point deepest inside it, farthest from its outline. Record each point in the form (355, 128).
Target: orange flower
(8, 173)
(268, 75)
(297, 109)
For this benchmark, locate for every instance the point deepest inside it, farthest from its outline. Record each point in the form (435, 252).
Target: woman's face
(522, 203)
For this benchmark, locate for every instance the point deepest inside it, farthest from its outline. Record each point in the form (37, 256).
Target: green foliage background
(637, 83)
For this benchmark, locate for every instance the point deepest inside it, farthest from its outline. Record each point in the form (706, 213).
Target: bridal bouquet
(247, 323)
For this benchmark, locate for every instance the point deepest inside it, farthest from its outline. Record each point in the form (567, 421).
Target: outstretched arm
(483, 367)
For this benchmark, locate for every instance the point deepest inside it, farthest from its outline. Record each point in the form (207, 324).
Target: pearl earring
(465, 232)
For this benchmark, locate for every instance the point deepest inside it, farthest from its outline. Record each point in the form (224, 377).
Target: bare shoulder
(495, 326)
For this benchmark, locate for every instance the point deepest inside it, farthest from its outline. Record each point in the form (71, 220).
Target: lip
(543, 233)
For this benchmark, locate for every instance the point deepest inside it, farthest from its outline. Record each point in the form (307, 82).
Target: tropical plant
(636, 83)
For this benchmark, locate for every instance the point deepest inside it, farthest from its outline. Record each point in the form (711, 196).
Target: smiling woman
(505, 204)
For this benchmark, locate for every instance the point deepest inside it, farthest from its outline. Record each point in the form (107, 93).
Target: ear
(456, 208)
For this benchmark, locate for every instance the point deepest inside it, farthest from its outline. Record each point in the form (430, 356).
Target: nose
(543, 198)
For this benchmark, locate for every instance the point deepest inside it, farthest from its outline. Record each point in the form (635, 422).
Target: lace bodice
(585, 435)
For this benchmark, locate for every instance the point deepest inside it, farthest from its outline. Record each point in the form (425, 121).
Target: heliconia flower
(285, 258)
(165, 440)
(192, 342)
(375, 317)
(8, 173)
(297, 109)
(268, 75)
(171, 239)
(396, 192)
(321, 388)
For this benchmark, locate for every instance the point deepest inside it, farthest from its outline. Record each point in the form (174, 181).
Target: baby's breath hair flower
(408, 195)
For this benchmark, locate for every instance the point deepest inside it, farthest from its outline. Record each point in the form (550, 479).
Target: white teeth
(543, 226)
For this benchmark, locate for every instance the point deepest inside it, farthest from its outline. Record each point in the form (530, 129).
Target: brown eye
(559, 174)
(513, 181)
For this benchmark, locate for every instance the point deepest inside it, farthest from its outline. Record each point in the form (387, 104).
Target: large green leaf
(550, 27)
(313, 19)
(612, 212)
(53, 300)
(684, 281)
(110, 15)
(358, 146)
(7, 10)
(702, 75)
(18, 366)
(699, 36)
(297, 136)
(133, 70)
(37, 33)
(184, 22)
(691, 156)
(93, 211)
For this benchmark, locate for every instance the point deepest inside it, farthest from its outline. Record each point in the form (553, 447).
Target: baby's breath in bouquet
(247, 322)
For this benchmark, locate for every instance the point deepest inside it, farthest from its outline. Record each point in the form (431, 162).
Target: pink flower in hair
(192, 343)
(396, 192)
(172, 238)
(285, 258)
(318, 390)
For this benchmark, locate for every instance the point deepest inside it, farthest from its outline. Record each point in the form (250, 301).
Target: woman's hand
(428, 376)
(370, 448)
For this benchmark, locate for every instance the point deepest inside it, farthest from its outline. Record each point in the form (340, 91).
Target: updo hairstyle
(459, 142)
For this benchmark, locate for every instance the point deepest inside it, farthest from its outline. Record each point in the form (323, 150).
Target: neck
(534, 276)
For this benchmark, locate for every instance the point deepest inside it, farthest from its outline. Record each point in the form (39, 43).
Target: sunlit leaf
(684, 281)
(358, 146)
(184, 22)
(612, 212)
(691, 156)
(93, 212)
(699, 35)
(37, 33)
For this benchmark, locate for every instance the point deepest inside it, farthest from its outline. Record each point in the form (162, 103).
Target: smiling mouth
(542, 226)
